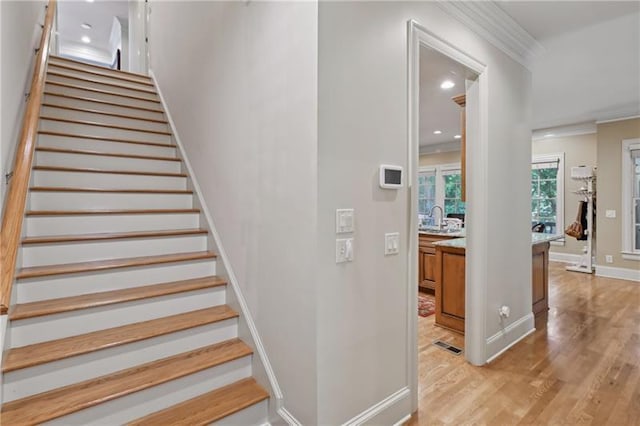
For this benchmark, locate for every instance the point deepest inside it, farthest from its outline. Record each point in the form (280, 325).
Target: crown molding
(492, 23)
(440, 147)
(585, 128)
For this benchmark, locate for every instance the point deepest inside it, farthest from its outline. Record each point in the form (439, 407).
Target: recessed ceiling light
(85, 39)
(447, 84)
(548, 135)
(457, 137)
(89, 1)
(85, 26)
(437, 132)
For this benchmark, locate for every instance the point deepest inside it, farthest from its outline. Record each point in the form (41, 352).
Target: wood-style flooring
(581, 367)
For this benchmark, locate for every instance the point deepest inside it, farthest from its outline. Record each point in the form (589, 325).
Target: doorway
(435, 62)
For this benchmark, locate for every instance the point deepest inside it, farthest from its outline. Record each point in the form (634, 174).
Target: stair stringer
(247, 330)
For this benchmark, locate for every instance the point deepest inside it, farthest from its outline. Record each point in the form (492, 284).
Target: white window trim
(627, 207)
(551, 158)
(440, 171)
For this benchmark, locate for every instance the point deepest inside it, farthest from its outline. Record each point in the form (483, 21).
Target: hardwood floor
(582, 368)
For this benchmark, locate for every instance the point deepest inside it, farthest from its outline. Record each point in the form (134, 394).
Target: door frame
(476, 218)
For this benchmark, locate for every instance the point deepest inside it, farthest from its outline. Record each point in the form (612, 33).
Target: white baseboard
(509, 336)
(374, 411)
(619, 273)
(564, 257)
(288, 417)
(403, 420)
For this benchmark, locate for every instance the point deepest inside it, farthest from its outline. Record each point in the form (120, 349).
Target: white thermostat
(390, 176)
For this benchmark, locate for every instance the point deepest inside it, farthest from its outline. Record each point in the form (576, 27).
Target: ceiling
(588, 71)
(99, 14)
(437, 110)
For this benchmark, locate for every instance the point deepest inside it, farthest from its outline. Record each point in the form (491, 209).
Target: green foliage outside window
(452, 195)
(544, 197)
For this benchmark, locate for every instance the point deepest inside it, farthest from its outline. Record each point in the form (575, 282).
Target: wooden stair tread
(103, 138)
(119, 172)
(105, 92)
(105, 154)
(101, 265)
(103, 74)
(62, 401)
(54, 350)
(108, 126)
(110, 114)
(52, 239)
(209, 407)
(100, 101)
(106, 211)
(109, 71)
(109, 190)
(85, 301)
(106, 83)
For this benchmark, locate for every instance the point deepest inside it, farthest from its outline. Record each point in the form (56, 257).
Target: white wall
(240, 81)
(19, 35)
(362, 306)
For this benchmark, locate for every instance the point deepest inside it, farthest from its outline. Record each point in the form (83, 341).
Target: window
(439, 185)
(452, 192)
(547, 192)
(426, 190)
(631, 199)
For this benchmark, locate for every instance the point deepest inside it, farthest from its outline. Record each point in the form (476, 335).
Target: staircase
(118, 316)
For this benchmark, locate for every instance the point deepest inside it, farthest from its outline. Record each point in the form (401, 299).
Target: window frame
(557, 157)
(429, 171)
(440, 171)
(628, 251)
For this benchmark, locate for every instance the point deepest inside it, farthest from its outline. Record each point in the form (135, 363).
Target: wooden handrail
(17, 193)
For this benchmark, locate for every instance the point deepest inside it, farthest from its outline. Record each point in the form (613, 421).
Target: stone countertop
(536, 238)
(456, 234)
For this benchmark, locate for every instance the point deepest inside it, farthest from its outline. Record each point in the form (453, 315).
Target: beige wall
(439, 158)
(609, 231)
(578, 150)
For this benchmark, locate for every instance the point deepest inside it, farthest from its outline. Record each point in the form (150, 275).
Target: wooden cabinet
(462, 101)
(427, 260)
(450, 284)
(450, 287)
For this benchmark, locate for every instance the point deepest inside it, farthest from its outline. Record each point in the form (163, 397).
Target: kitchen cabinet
(427, 259)
(462, 101)
(450, 283)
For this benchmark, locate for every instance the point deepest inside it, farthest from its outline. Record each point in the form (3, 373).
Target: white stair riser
(64, 142)
(49, 111)
(52, 287)
(101, 86)
(29, 381)
(64, 159)
(98, 77)
(85, 224)
(254, 415)
(139, 404)
(91, 200)
(116, 109)
(106, 180)
(120, 100)
(104, 132)
(108, 71)
(51, 327)
(51, 254)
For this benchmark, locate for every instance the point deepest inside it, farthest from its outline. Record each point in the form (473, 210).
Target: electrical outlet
(611, 214)
(608, 258)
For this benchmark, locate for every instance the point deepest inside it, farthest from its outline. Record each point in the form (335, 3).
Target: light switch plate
(344, 250)
(344, 221)
(391, 243)
(611, 214)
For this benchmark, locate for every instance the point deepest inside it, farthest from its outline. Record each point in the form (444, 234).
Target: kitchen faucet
(440, 223)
